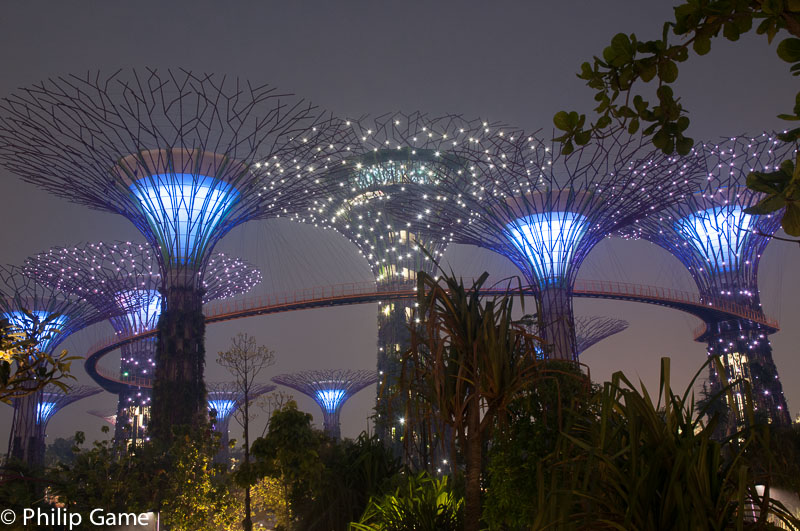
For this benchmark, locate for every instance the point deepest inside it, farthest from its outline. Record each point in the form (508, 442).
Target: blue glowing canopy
(184, 209)
(548, 241)
(48, 335)
(330, 399)
(718, 235)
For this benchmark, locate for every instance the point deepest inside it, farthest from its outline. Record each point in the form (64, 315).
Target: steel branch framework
(546, 211)
(184, 157)
(721, 246)
(54, 399)
(590, 330)
(126, 275)
(330, 389)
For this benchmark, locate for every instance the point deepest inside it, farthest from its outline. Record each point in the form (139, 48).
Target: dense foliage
(420, 502)
(643, 464)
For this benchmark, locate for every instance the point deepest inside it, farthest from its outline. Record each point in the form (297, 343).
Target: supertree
(721, 246)
(546, 210)
(224, 399)
(126, 275)
(108, 416)
(185, 158)
(52, 400)
(47, 315)
(396, 156)
(330, 389)
(590, 330)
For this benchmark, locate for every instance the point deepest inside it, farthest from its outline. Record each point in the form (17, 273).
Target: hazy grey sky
(513, 62)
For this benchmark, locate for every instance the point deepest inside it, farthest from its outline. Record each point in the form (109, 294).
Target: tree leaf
(684, 145)
(668, 71)
(561, 120)
(789, 50)
(701, 45)
(791, 219)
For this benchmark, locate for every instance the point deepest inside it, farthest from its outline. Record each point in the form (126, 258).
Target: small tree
(289, 453)
(245, 360)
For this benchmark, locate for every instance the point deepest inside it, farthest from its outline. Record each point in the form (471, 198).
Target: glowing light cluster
(394, 172)
(186, 208)
(548, 241)
(718, 234)
(330, 399)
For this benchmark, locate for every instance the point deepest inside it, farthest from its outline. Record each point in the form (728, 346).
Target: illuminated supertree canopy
(27, 303)
(127, 274)
(224, 398)
(546, 211)
(108, 416)
(44, 405)
(396, 156)
(721, 246)
(330, 389)
(54, 399)
(590, 330)
(185, 157)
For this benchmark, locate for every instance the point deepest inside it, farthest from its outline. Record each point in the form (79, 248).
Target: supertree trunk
(179, 394)
(25, 433)
(557, 329)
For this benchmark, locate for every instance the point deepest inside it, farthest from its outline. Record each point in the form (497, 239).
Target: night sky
(512, 62)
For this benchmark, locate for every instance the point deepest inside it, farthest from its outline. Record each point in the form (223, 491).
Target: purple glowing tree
(185, 157)
(720, 244)
(126, 275)
(546, 211)
(27, 304)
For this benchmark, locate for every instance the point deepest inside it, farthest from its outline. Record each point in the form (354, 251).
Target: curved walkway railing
(363, 292)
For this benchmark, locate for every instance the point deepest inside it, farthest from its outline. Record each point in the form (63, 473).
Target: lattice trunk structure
(126, 275)
(330, 389)
(546, 211)
(721, 246)
(27, 304)
(402, 157)
(185, 158)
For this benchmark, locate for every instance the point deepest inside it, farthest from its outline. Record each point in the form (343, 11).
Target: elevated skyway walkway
(709, 310)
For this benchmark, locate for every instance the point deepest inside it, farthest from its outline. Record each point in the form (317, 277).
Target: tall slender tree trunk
(472, 461)
(248, 521)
